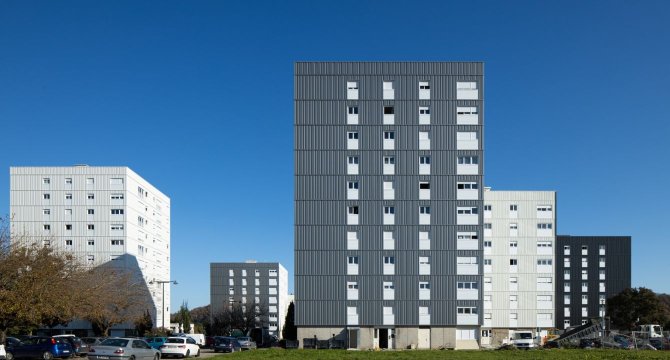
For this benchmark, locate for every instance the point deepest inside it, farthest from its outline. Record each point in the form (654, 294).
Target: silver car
(246, 343)
(123, 349)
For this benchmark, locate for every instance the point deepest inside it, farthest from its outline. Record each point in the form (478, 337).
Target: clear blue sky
(196, 96)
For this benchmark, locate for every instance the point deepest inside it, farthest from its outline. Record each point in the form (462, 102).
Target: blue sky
(196, 96)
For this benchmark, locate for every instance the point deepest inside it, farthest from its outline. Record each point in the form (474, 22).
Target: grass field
(449, 354)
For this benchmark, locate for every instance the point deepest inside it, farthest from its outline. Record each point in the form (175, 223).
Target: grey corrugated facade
(251, 281)
(321, 186)
(617, 273)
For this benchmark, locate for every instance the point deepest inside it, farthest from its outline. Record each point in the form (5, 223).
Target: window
(46, 196)
(141, 192)
(352, 110)
(566, 250)
(352, 90)
(424, 90)
(117, 211)
(388, 290)
(585, 250)
(90, 259)
(544, 262)
(488, 262)
(90, 211)
(467, 210)
(117, 242)
(46, 211)
(424, 115)
(513, 262)
(466, 310)
(467, 90)
(352, 260)
(389, 140)
(468, 186)
(352, 140)
(272, 272)
(424, 160)
(487, 244)
(68, 181)
(352, 240)
(46, 227)
(585, 262)
(601, 249)
(116, 227)
(46, 181)
(389, 260)
(488, 226)
(91, 242)
(388, 110)
(468, 160)
(117, 196)
(116, 181)
(68, 227)
(424, 210)
(90, 181)
(90, 227)
(388, 242)
(388, 90)
(90, 196)
(544, 226)
(353, 210)
(467, 115)
(68, 242)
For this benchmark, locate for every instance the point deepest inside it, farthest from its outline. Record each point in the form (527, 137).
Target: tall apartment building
(590, 269)
(103, 215)
(388, 193)
(519, 241)
(251, 284)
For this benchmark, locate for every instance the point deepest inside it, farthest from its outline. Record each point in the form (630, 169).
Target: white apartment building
(519, 264)
(101, 214)
(251, 283)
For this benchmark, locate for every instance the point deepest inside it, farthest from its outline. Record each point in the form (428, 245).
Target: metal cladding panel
(617, 272)
(321, 189)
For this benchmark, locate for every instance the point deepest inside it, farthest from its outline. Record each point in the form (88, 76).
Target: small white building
(519, 265)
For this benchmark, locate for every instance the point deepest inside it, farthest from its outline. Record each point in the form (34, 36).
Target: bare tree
(36, 282)
(114, 296)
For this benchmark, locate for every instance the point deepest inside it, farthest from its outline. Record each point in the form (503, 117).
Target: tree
(184, 317)
(37, 282)
(116, 295)
(144, 324)
(290, 332)
(636, 306)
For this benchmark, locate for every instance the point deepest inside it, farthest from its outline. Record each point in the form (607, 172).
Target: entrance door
(353, 338)
(383, 338)
(424, 339)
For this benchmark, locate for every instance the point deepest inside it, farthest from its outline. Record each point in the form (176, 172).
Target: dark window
(388, 110)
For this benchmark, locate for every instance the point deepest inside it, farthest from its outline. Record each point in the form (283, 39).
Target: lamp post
(163, 282)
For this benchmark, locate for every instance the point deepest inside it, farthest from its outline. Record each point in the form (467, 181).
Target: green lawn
(448, 354)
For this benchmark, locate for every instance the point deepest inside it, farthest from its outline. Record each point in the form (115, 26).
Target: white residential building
(102, 215)
(519, 264)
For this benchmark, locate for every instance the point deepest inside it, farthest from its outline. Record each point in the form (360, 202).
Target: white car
(3, 354)
(180, 346)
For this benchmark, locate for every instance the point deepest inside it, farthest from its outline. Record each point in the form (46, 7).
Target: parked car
(90, 341)
(180, 346)
(123, 348)
(551, 344)
(623, 342)
(246, 343)
(44, 347)
(226, 344)
(80, 348)
(659, 343)
(156, 342)
(589, 343)
(209, 342)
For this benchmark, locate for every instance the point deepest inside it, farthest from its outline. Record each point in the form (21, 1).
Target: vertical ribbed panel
(321, 190)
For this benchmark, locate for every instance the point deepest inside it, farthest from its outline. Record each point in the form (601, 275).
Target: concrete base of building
(388, 337)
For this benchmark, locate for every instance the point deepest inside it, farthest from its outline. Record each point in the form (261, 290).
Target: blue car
(39, 347)
(155, 342)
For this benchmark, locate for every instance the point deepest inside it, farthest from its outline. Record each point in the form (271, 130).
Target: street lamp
(163, 282)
